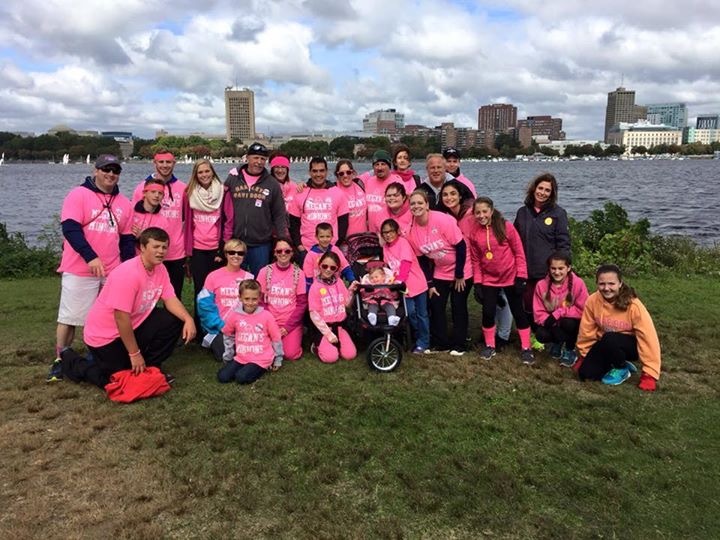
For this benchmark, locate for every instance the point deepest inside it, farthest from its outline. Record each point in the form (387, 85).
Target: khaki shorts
(77, 294)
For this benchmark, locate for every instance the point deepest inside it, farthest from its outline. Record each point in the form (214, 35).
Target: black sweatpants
(176, 270)
(156, 337)
(490, 296)
(612, 351)
(439, 337)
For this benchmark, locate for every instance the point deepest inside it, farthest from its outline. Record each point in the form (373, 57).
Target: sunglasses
(232, 252)
(109, 169)
(344, 173)
(283, 251)
(328, 267)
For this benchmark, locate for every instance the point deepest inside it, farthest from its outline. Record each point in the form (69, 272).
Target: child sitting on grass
(381, 297)
(324, 236)
(252, 337)
(558, 302)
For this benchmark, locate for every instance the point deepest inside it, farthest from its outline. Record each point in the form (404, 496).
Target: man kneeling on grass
(125, 329)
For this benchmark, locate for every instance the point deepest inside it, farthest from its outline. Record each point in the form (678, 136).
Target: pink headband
(280, 161)
(167, 156)
(154, 187)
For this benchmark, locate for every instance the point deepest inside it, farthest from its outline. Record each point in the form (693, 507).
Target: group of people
(265, 256)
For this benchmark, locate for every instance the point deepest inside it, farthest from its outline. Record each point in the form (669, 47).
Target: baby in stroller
(379, 297)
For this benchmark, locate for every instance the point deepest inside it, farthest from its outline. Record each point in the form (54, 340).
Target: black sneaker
(501, 343)
(55, 373)
(487, 353)
(527, 357)
(169, 378)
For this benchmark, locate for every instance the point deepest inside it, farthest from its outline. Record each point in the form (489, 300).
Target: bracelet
(136, 353)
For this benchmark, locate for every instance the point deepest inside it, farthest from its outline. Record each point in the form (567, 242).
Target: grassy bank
(441, 448)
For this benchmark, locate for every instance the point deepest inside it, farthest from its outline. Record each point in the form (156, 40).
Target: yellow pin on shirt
(489, 255)
(323, 291)
(548, 221)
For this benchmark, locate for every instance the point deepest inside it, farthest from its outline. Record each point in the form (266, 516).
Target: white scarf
(207, 200)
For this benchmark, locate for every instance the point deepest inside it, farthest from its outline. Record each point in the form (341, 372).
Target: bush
(18, 260)
(608, 236)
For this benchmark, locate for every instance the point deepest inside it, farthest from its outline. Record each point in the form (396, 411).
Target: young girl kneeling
(558, 303)
(253, 335)
(328, 300)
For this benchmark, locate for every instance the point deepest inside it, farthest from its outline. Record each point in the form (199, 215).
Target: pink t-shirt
(102, 228)
(397, 252)
(224, 285)
(281, 292)
(403, 218)
(206, 232)
(289, 191)
(357, 208)
(172, 209)
(129, 288)
(254, 335)
(314, 206)
(437, 240)
(375, 192)
(310, 266)
(329, 300)
(145, 220)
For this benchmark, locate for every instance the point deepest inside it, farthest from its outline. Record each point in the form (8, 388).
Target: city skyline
(321, 65)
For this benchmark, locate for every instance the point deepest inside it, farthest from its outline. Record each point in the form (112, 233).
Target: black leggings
(176, 271)
(458, 311)
(490, 296)
(612, 351)
(201, 264)
(563, 331)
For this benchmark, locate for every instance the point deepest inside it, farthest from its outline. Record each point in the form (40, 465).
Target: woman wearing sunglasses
(352, 188)
(328, 300)
(283, 294)
(220, 294)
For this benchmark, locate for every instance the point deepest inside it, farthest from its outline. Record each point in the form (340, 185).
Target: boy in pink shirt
(172, 209)
(324, 236)
(252, 339)
(147, 211)
(96, 225)
(125, 329)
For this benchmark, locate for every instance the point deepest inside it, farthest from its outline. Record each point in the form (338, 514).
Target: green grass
(441, 448)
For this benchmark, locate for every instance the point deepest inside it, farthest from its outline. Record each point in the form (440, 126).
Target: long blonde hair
(194, 182)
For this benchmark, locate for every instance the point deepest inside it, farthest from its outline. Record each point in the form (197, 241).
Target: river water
(677, 196)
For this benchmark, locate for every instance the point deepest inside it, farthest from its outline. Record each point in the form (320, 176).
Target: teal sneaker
(55, 373)
(556, 350)
(568, 358)
(535, 344)
(616, 376)
(630, 367)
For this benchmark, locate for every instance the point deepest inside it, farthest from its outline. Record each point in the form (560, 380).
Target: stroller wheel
(384, 354)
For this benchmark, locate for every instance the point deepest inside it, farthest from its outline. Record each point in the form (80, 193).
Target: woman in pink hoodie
(498, 262)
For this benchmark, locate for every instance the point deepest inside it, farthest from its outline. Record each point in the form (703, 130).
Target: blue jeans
(503, 319)
(417, 312)
(256, 258)
(240, 373)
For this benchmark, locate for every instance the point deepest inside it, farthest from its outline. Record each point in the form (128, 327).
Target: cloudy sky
(320, 65)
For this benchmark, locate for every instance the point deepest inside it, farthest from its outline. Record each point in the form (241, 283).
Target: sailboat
(66, 159)
(2, 159)
(87, 159)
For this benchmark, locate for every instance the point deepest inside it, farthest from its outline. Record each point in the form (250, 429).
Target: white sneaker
(393, 320)
(456, 353)
(372, 318)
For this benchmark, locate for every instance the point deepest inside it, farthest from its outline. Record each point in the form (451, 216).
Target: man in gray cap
(96, 222)
(254, 208)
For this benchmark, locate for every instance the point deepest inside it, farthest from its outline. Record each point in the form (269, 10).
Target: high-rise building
(543, 126)
(495, 119)
(461, 138)
(621, 108)
(707, 121)
(383, 122)
(669, 114)
(239, 114)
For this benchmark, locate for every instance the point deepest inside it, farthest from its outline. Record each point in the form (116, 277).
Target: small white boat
(66, 159)
(87, 159)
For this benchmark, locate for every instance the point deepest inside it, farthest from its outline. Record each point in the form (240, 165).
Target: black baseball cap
(258, 149)
(451, 151)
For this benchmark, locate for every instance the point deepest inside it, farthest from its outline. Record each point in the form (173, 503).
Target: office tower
(383, 122)
(669, 114)
(495, 119)
(239, 114)
(621, 108)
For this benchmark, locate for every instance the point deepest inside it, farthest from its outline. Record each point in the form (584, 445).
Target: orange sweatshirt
(600, 316)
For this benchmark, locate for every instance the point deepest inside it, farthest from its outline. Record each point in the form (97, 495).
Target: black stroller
(384, 352)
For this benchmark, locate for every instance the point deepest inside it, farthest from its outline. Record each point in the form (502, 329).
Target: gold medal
(489, 255)
(548, 221)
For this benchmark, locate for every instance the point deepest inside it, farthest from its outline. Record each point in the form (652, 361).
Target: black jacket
(542, 234)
